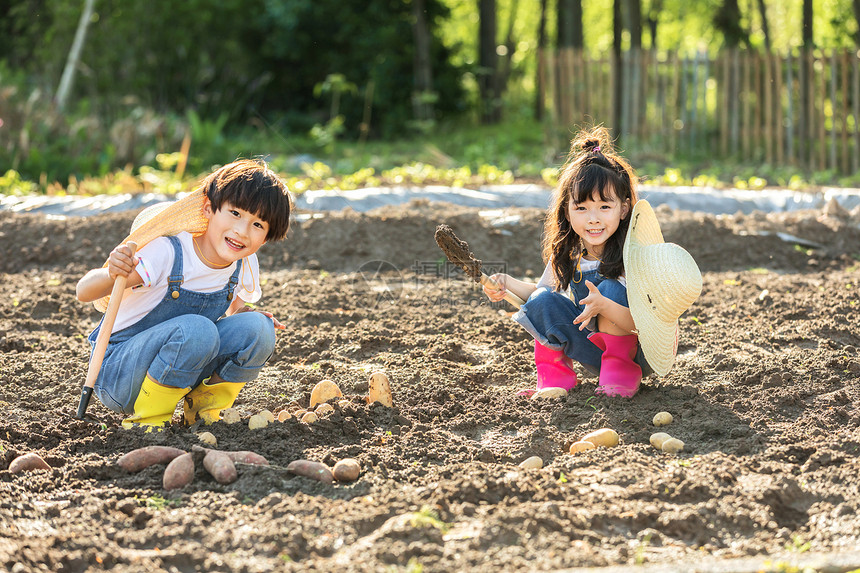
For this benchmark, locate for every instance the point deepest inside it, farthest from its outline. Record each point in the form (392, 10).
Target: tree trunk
(806, 79)
(510, 49)
(857, 18)
(422, 104)
(727, 20)
(569, 13)
(765, 28)
(635, 27)
(68, 77)
(488, 61)
(617, 87)
(540, 95)
(654, 19)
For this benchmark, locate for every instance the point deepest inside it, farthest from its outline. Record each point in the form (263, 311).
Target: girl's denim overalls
(183, 341)
(548, 316)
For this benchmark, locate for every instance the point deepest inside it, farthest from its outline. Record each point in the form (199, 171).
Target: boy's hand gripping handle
(103, 338)
(509, 296)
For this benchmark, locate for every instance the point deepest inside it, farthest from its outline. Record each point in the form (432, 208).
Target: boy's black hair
(250, 185)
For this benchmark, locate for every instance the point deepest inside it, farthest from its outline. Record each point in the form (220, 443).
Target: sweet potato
(220, 466)
(179, 472)
(346, 469)
(309, 469)
(240, 457)
(136, 460)
(27, 463)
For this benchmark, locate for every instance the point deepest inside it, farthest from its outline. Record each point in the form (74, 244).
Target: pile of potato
(319, 406)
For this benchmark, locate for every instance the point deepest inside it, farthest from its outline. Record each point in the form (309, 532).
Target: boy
(182, 330)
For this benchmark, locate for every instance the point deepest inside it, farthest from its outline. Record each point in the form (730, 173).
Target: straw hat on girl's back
(167, 218)
(663, 281)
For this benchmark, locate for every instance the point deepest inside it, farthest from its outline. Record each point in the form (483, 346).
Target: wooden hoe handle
(509, 296)
(103, 338)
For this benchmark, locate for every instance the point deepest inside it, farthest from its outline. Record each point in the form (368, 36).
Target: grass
(454, 155)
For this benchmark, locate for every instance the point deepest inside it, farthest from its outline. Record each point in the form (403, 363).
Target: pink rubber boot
(554, 370)
(619, 375)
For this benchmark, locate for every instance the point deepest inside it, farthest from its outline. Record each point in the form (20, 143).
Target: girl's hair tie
(596, 149)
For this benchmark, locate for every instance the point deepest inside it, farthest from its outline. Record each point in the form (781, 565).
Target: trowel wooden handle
(509, 296)
(107, 325)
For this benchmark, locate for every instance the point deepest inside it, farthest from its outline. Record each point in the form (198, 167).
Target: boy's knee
(260, 331)
(198, 327)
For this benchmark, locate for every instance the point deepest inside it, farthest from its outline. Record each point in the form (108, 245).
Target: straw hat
(161, 219)
(663, 281)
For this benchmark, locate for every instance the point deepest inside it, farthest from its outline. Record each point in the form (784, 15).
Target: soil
(764, 394)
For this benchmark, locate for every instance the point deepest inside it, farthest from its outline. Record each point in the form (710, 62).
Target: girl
(578, 310)
(181, 331)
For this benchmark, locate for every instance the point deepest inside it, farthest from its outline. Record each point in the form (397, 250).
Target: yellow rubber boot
(207, 400)
(154, 405)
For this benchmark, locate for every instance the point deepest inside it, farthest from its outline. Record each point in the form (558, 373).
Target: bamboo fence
(799, 109)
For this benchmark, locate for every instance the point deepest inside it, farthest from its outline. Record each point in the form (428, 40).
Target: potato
(28, 463)
(309, 418)
(602, 437)
(346, 470)
(267, 414)
(379, 390)
(343, 403)
(324, 410)
(577, 447)
(140, 458)
(230, 415)
(662, 419)
(179, 472)
(207, 438)
(220, 466)
(324, 391)
(312, 470)
(549, 393)
(658, 439)
(299, 413)
(257, 421)
(284, 415)
(240, 457)
(672, 446)
(532, 463)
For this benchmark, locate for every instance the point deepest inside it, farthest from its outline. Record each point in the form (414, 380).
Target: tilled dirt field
(764, 394)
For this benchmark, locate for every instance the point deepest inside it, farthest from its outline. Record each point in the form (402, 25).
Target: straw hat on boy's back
(162, 219)
(663, 281)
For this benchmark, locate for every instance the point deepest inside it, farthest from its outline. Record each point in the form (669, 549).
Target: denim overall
(548, 316)
(183, 341)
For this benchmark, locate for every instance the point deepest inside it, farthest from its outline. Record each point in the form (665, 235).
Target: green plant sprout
(428, 517)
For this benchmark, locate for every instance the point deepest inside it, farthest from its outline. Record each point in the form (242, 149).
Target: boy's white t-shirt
(155, 264)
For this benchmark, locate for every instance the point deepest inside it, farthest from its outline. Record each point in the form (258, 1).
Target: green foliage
(428, 517)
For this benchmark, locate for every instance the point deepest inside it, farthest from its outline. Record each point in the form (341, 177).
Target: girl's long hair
(592, 168)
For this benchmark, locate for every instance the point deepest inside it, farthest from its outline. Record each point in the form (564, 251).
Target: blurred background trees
(150, 74)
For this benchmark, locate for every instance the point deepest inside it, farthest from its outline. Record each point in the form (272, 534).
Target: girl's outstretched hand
(595, 303)
(497, 294)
